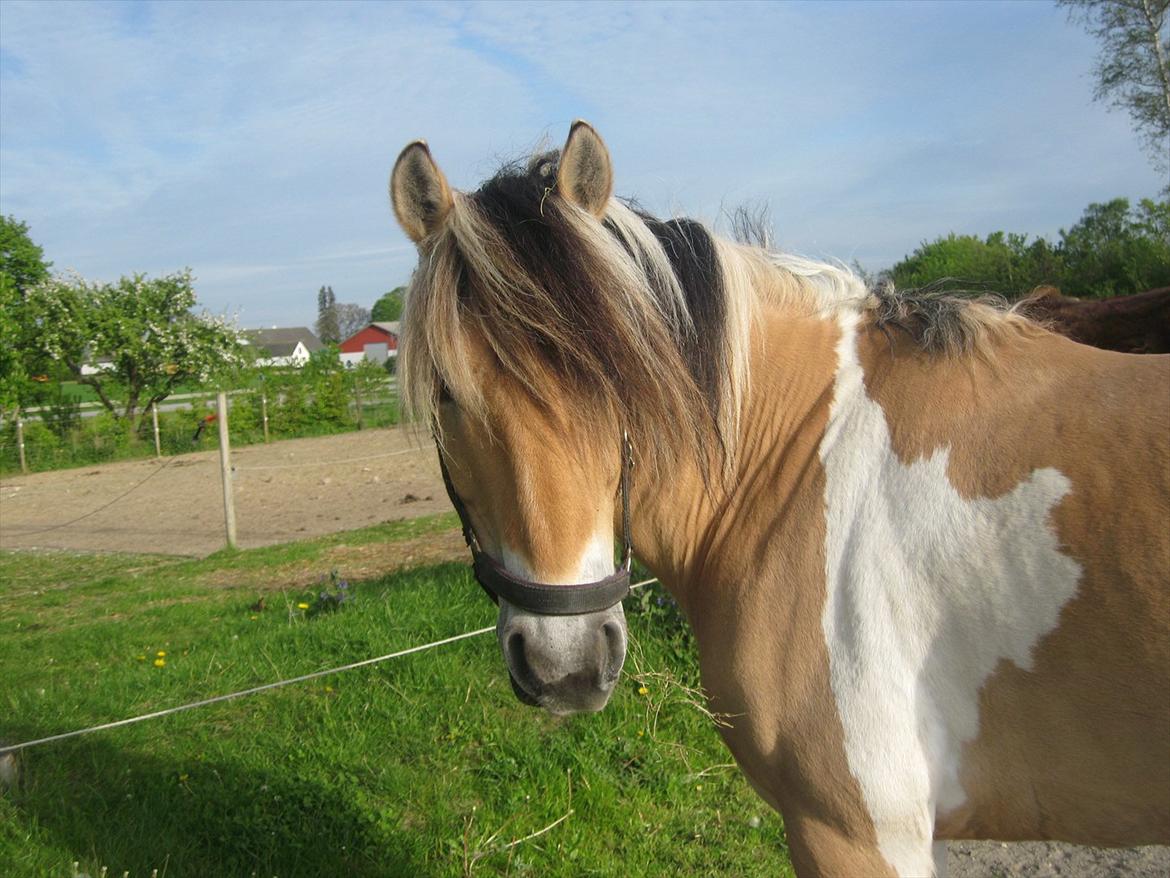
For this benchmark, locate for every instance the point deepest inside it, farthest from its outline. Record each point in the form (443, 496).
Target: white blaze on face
(926, 592)
(596, 562)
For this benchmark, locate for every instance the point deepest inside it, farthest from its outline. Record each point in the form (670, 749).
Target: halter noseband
(540, 597)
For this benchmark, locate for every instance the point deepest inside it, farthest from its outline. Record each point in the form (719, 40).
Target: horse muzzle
(565, 664)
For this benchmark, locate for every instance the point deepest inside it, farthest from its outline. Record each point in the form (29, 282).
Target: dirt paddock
(285, 491)
(310, 487)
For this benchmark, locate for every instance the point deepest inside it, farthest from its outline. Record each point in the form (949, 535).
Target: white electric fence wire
(12, 748)
(329, 462)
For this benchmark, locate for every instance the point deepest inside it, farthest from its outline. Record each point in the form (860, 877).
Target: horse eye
(445, 393)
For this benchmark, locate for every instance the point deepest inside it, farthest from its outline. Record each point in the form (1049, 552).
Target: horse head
(524, 342)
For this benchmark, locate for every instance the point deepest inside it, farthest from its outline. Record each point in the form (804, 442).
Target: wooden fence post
(20, 441)
(264, 413)
(154, 418)
(225, 468)
(357, 396)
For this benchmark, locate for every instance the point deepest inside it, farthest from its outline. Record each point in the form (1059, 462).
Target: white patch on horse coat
(926, 592)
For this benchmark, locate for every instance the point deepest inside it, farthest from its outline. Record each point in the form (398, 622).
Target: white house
(282, 346)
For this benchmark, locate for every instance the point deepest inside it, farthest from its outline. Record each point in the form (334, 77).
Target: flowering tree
(139, 333)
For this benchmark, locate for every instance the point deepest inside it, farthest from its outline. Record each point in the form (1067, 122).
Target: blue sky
(252, 142)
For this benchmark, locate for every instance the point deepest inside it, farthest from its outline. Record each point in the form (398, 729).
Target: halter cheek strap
(540, 597)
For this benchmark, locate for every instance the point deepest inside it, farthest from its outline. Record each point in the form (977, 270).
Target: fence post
(264, 413)
(154, 418)
(357, 396)
(20, 441)
(225, 468)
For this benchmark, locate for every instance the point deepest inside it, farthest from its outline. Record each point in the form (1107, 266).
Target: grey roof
(282, 341)
(390, 327)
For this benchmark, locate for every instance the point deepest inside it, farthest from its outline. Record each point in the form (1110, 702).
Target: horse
(923, 542)
(1136, 324)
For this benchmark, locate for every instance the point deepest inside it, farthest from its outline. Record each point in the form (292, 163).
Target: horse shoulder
(1027, 630)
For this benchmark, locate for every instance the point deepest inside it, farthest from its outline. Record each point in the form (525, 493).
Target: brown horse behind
(1137, 324)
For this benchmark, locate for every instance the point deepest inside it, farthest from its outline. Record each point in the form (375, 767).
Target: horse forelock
(621, 321)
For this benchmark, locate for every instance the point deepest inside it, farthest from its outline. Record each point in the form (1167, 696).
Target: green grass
(79, 392)
(425, 765)
(84, 393)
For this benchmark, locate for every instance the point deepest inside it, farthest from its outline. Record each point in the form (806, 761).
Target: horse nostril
(615, 650)
(515, 645)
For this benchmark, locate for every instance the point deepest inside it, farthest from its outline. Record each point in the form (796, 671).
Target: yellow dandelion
(253, 618)
(642, 690)
(640, 733)
(159, 662)
(302, 606)
(161, 653)
(183, 777)
(140, 658)
(699, 787)
(328, 688)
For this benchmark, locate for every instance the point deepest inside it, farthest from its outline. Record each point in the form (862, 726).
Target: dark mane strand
(691, 251)
(938, 317)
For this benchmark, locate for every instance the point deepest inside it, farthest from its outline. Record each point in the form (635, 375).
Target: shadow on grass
(135, 800)
(135, 812)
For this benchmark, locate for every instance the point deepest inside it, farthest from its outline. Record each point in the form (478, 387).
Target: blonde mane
(633, 322)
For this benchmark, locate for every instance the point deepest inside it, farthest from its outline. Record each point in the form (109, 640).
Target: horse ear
(419, 192)
(585, 175)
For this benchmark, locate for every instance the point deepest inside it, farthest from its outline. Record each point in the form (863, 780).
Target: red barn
(377, 342)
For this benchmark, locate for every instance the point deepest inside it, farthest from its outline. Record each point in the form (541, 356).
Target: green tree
(326, 377)
(327, 329)
(1112, 250)
(1003, 262)
(1115, 250)
(141, 328)
(389, 307)
(1133, 69)
(366, 379)
(22, 264)
(21, 261)
(14, 377)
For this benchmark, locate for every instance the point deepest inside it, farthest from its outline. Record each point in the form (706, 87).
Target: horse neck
(686, 526)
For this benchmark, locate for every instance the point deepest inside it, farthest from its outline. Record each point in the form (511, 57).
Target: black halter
(539, 597)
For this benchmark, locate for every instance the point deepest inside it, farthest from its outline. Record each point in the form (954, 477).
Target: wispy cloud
(252, 141)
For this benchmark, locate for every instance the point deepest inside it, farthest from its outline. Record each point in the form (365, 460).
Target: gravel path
(1042, 859)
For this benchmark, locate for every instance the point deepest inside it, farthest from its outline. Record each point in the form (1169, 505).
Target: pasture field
(423, 765)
